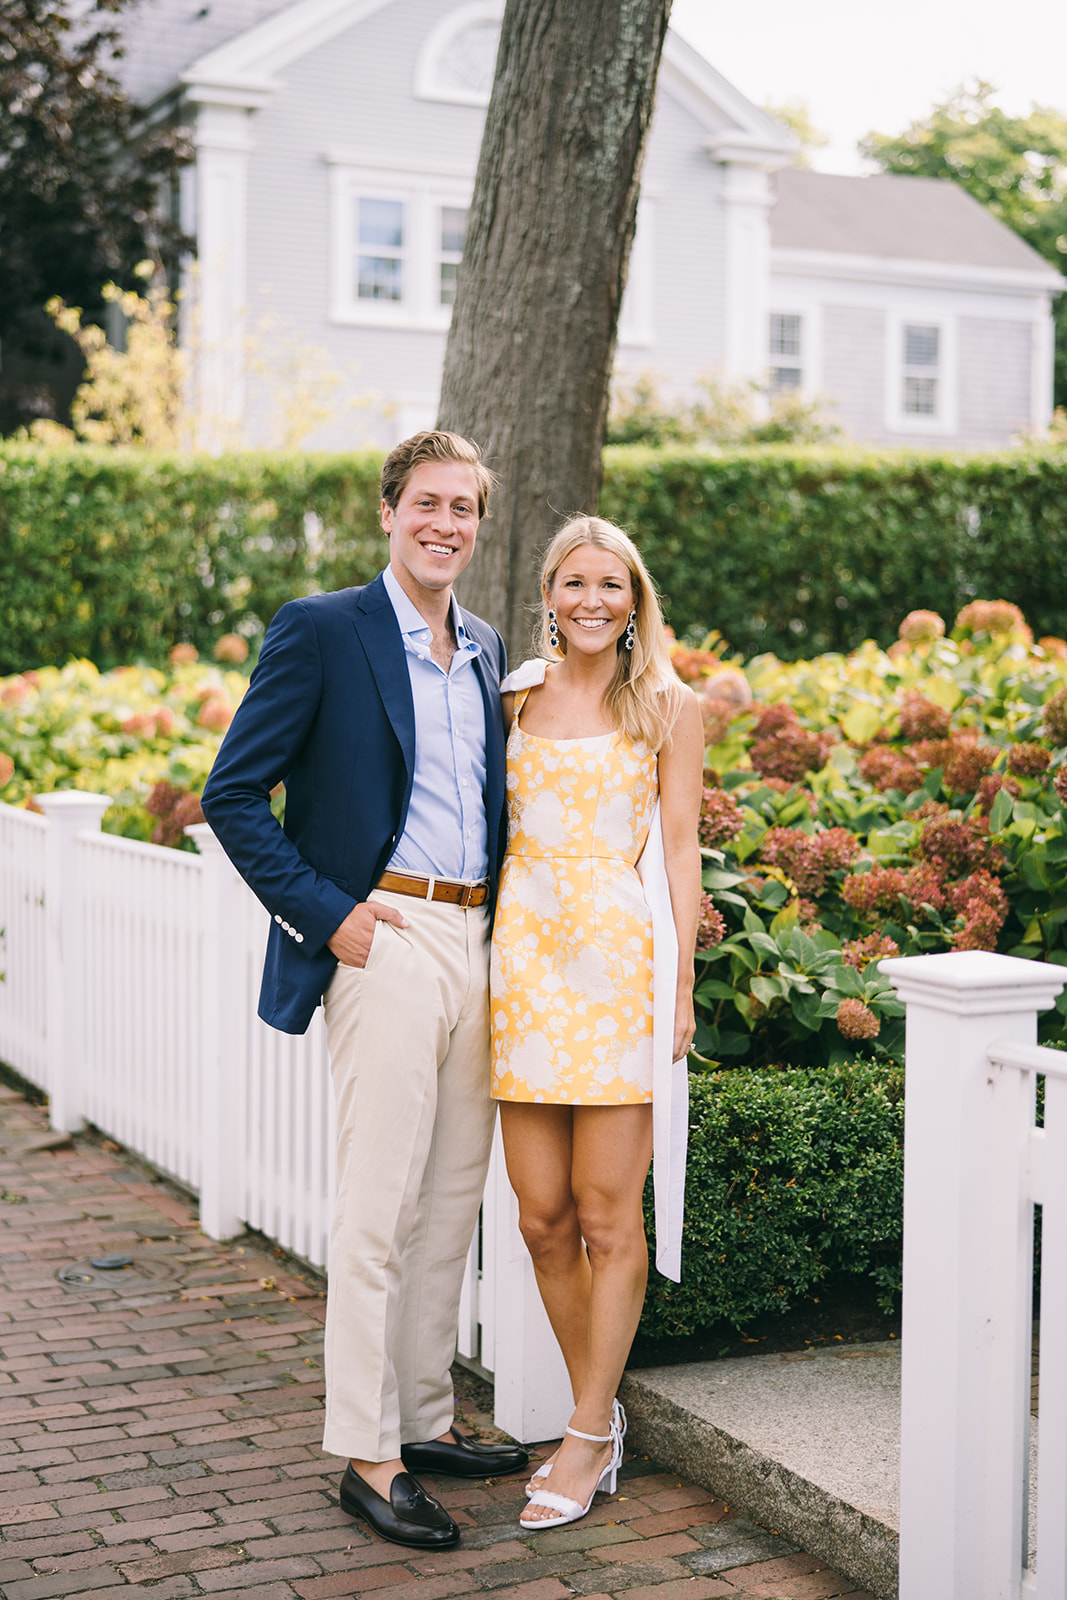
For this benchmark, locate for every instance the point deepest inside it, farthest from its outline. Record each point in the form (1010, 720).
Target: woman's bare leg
(538, 1154)
(593, 1295)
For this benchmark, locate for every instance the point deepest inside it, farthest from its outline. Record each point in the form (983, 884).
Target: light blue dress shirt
(445, 835)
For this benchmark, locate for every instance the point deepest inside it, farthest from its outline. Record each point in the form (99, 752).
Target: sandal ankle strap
(594, 1438)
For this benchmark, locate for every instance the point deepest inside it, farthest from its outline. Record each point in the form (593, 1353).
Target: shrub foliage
(114, 555)
(800, 552)
(793, 1175)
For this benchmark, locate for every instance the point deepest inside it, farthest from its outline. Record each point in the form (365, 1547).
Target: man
(380, 709)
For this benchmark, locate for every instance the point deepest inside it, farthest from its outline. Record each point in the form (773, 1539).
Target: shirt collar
(413, 624)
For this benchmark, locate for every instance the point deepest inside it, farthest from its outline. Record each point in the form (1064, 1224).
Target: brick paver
(163, 1434)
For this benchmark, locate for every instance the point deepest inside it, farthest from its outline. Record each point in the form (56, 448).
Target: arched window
(458, 57)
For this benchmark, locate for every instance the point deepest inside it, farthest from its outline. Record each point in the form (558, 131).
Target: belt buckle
(466, 899)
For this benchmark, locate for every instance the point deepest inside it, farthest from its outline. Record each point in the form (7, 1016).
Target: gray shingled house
(336, 146)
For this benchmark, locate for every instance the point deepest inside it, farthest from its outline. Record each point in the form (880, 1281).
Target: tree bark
(532, 342)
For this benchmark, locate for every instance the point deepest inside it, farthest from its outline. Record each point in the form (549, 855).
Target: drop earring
(553, 631)
(630, 630)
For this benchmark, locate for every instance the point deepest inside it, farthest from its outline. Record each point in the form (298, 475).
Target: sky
(861, 65)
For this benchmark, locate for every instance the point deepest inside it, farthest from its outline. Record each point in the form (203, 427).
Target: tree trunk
(532, 341)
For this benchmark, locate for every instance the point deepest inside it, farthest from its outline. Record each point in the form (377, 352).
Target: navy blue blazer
(329, 712)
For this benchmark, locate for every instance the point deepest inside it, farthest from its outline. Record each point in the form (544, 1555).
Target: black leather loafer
(466, 1458)
(409, 1516)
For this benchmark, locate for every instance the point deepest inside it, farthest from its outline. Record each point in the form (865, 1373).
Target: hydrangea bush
(876, 804)
(856, 807)
(143, 736)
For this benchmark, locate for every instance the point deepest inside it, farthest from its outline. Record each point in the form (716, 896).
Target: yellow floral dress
(571, 971)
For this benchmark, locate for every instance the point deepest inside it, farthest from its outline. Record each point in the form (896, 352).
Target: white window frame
(800, 362)
(943, 420)
(423, 195)
(429, 84)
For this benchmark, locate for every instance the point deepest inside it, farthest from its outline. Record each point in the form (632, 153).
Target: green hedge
(798, 552)
(793, 1175)
(116, 554)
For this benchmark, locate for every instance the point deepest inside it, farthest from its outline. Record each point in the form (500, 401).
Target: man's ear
(386, 517)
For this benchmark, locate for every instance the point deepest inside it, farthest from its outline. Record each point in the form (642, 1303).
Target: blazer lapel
(379, 632)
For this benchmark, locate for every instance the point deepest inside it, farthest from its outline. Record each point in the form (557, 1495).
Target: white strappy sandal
(618, 1423)
(572, 1510)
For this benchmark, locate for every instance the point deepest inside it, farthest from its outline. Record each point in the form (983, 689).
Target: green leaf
(721, 878)
(1000, 815)
(768, 989)
(847, 981)
(765, 945)
(713, 989)
(861, 723)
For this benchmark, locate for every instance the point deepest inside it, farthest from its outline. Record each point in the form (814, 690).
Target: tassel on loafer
(410, 1516)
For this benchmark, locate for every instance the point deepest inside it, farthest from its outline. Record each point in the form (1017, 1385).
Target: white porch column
(68, 811)
(968, 1242)
(1042, 361)
(216, 317)
(223, 1040)
(748, 196)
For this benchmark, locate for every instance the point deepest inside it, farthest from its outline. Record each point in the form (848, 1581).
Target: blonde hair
(645, 694)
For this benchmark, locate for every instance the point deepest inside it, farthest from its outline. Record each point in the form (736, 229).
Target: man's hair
(436, 445)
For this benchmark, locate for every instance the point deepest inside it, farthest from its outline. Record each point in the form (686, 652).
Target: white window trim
(944, 420)
(637, 312)
(428, 84)
(423, 195)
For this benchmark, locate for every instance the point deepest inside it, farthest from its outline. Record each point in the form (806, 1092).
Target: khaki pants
(409, 1055)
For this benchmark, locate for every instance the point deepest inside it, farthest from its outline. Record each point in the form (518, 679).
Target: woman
(598, 731)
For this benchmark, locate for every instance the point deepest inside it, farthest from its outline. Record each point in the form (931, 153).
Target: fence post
(968, 1243)
(223, 1040)
(69, 812)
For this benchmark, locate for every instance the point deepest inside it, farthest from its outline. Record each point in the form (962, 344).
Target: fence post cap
(59, 800)
(203, 836)
(974, 982)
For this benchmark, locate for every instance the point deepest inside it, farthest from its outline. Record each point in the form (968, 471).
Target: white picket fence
(130, 979)
(976, 1162)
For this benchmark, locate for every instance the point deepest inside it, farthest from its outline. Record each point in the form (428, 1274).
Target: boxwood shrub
(114, 555)
(793, 1175)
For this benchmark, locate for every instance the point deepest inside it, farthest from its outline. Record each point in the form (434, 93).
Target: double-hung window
(921, 372)
(396, 243)
(381, 233)
(451, 234)
(920, 369)
(785, 350)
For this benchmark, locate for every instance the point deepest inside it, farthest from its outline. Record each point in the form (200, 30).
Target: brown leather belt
(456, 894)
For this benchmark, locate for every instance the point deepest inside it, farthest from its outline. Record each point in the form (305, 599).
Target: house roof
(161, 38)
(242, 44)
(917, 219)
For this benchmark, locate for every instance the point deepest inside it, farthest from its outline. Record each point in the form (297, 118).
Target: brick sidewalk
(160, 1427)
